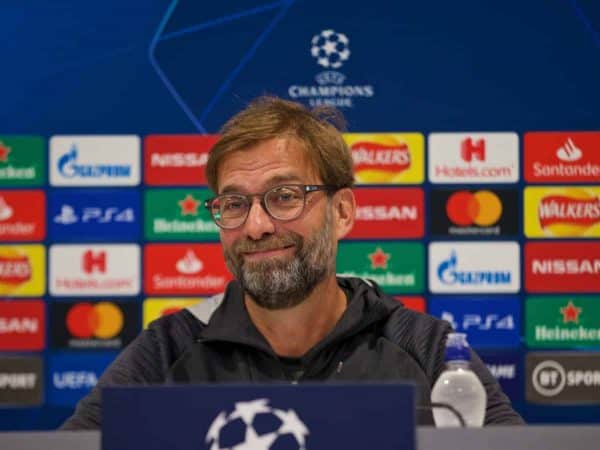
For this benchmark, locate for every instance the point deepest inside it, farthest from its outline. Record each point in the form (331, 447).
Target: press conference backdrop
(474, 130)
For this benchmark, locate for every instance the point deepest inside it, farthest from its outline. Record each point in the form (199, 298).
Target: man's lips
(271, 252)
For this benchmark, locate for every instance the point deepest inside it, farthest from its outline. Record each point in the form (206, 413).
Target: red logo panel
(388, 213)
(22, 325)
(562, 267)
(178, 160)
(22, 216)
(562, 157)
(190, 269)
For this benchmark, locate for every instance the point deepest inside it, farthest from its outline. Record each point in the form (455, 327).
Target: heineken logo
(189, 206)
(21, 161)
(176, 214)
(4, 151)
(379, 259)
(565, 322)
(397, 267)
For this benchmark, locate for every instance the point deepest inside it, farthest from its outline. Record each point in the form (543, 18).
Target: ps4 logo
(481, 322)
(69, 216)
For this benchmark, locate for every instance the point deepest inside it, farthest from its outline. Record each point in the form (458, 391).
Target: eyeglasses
(284, 202)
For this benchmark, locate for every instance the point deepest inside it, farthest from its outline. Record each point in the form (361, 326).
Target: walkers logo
(562, 211)
(95, 215)
(474, 213)
(177, 159)
(93, 325)
(388, 213)
(178, 214)
(488, 321)
(22, 161)
(192, 269)
(22, 325)
(562, 322)
(412, 302)
(22, 270)
(21, 381)
(473, 158)
(397, 267)
(562, 157)
(387, 158)
(562, 267)
(94, 270)
(22, 215)
(330, 49)
(70, 377)
(507, 368)
(563, 378)
(465, 267)
(155, 308)
(94, 160)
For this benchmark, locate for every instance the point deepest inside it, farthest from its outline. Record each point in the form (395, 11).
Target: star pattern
(189, 205)
(4, 151)
(379, 259)
(570, 312)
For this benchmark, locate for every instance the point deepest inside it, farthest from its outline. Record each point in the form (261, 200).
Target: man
(283, 177)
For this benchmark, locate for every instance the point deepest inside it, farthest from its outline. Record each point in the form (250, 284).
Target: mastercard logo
(481, 208)
(102, 320)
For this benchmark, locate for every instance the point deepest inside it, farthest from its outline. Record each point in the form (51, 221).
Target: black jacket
(376, 339)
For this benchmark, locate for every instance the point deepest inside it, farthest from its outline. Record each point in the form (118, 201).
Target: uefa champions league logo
(330, 49)
(255, 425)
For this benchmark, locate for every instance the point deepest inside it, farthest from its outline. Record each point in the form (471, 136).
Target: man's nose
(259, 223)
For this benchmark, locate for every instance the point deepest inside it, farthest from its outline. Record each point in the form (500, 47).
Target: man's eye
(232, 205)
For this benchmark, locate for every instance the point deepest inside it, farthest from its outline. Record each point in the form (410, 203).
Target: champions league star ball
(330, 49)
(255, 425)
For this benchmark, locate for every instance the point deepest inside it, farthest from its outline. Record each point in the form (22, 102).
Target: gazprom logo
(69, 168)
(449, 274)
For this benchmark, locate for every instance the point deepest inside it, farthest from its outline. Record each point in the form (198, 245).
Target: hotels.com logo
(473, 157)
(472, 151)
(562, 267)
(562, 157)
(93, 262)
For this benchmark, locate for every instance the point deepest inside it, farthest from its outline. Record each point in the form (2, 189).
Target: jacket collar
(231, 322)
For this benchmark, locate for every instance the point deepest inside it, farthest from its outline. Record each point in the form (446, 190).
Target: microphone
(447, 406)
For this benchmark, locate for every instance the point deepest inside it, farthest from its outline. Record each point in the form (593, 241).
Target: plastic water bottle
(459, 387)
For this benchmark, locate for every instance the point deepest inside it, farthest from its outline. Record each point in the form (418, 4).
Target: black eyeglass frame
(306, 189)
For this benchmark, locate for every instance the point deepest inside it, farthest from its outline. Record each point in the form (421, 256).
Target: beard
(279, 283)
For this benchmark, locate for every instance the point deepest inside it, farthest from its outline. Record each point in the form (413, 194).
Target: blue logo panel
(507, 367)
(72, 376)
(488, 321)
(94, 215)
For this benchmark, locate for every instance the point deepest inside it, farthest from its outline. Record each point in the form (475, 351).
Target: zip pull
(339, 367)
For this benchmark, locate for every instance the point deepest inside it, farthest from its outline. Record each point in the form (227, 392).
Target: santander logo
(569, 152)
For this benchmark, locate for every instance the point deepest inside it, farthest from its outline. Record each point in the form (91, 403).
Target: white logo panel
(474, 267)
(473, 157)
(95, 160)
(94, 269)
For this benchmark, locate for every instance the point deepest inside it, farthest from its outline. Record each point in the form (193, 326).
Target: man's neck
(292, 332)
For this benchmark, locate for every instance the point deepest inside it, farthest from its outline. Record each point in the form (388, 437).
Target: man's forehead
(268, 163)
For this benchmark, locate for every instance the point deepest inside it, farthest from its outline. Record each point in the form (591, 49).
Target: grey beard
(284, 283)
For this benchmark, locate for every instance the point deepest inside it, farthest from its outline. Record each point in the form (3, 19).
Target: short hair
(317, 130)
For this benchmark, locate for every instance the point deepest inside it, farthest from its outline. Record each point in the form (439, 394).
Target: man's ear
(344, 210)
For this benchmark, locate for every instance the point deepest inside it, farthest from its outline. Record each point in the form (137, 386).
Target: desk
(493, 438)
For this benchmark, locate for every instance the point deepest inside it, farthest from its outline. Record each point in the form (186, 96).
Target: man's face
(278, 263)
